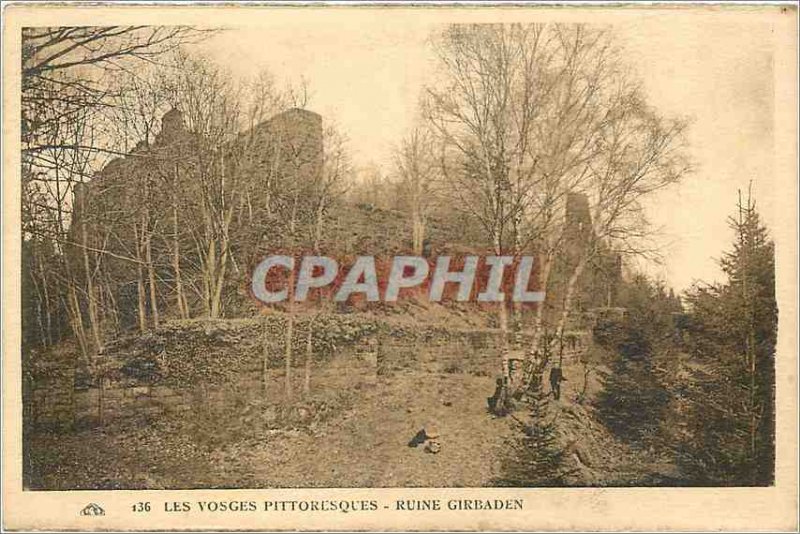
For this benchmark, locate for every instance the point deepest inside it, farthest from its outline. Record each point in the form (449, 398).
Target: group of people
(502, 402)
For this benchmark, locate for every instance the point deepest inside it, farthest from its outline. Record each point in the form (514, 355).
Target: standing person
(498, 403)
(492, 401)
(556, 377)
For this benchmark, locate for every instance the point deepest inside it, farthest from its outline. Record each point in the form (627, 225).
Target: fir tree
(536, 458)
(632, 402)
(732, 336)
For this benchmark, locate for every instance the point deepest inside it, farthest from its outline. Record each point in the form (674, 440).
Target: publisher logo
(93, 509)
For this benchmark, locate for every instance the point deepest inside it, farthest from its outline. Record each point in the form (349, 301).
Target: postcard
(400, 267)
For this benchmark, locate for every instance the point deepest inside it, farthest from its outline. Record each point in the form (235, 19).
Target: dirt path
(367, 446)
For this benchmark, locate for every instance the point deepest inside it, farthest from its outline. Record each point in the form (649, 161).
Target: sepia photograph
(350, 248)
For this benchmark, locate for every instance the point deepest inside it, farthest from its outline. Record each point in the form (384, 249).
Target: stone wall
(69, 396)
(59, 403)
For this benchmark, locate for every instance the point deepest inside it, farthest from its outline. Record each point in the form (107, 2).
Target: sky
(366, 73)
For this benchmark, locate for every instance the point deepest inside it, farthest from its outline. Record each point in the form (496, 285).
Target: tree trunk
(77, 321)
(140, 293)
(208, 277)
(288, 354)
(39, 318)
(750, 346)
(309, 354)
(47, 311)
(183, 308)
(151, 276)
(417, 230)
(569, 297)
(101, 400)
(502, 316)
(214, 268)
(90, 291)
(309, 341)
(517, 306)
(538, 322)
(264, 355)
(219, 282)
(290, 297)
(113, 305)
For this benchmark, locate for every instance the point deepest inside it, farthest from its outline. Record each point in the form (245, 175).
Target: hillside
(359, 422)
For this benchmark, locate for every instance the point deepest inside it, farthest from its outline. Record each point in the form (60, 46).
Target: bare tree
(68, 68)
(328, 189)
(67, 87)
(483, 130)
(418, 181)
(210, 105)
(638, 153)
(525, 114)
(514, 110)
